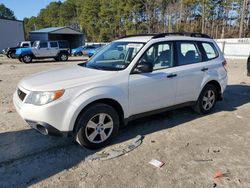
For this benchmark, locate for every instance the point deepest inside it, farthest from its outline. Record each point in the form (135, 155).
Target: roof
(11, 19)
(57, 30)
(135, 39)
(171, 36)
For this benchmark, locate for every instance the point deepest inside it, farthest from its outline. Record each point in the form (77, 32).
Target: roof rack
(138, 35)
(160, 35)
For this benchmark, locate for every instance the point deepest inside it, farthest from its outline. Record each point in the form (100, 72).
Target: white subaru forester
(156, 73)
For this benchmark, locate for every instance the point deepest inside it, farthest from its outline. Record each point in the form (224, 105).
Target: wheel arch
(217, 85)
(108, 101)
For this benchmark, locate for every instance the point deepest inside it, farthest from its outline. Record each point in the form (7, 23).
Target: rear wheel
(63, 57)
(206, 100)
(27, 59)
(97, 126)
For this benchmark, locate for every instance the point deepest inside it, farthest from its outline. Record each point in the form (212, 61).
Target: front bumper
(5, 52)
(49, 119)
(47, 129)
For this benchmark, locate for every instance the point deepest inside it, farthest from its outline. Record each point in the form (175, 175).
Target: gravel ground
(193, 147)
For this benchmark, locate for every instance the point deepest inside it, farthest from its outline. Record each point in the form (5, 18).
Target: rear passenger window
(188, 53)
(210, 50)
(53, 44)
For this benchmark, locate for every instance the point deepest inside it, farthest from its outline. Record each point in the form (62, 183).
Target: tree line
(105, 20)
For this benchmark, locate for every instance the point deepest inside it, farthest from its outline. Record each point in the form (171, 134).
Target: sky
(25, 8)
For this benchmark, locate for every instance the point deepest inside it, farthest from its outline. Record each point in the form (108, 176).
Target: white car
(92, 100)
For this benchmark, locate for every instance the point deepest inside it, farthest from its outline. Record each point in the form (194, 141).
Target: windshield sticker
(120, 66)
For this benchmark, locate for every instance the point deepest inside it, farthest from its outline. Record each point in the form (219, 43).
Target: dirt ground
(193, 147)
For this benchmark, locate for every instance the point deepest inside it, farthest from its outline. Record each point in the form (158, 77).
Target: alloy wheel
(99, 128)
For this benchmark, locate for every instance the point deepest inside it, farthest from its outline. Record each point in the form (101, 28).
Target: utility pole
(242, 18)
(203, 17)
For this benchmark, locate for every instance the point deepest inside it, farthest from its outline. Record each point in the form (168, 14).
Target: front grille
(21, 94)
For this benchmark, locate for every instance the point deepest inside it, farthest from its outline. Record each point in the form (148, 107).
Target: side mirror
(143, 67)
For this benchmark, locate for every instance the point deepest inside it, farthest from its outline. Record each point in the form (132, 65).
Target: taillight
(224, 63)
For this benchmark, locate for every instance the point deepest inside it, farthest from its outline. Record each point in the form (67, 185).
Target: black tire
(79, 54)
(20, 59)
(63, 57)
(83, 131)
(203, 105)
(12, 55)
(27, 58)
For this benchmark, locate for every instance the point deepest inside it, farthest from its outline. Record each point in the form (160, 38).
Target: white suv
(92, 100)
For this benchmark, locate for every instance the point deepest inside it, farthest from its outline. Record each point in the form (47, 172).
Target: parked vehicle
(90, 48)
(92, 100)
(11, 51)
(94, 51)
(248, 66)
(59, 50)
(77, 51)
(118, 53)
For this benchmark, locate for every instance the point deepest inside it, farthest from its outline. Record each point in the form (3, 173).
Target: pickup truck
(59, 50)
(11, 51)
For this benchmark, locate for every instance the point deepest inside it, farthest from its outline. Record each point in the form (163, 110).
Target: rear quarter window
(63, 44)
(210, 50)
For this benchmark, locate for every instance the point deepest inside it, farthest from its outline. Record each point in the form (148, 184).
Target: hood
(64, 78)
(22, 50)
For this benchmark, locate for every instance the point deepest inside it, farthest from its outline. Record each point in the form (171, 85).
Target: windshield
(115, 56)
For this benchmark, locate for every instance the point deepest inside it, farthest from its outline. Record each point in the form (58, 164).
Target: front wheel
(206, 100)
(97, 126)
(27, 59)
(12, 55)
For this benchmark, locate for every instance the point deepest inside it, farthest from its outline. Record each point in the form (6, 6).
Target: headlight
(40, 98)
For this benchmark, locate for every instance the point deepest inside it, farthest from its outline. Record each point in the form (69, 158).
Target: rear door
(191, 71)
(53, 48)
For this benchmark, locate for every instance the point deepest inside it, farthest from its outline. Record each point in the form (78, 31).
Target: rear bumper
(47, 129)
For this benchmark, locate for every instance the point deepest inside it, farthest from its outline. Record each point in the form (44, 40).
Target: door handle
(204, 69)
(171, 75)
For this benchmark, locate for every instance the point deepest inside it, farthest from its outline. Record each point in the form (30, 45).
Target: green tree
(6, 12)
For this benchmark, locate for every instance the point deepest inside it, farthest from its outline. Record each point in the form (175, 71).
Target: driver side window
(159, 55)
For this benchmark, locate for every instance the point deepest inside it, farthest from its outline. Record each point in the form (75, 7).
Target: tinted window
(25, 45)
(53, 44)
(188, 53)
(63, 44)
(210, 50)
(160, 55)
(43, 45)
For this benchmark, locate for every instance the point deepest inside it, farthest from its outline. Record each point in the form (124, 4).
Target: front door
(155, 90)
